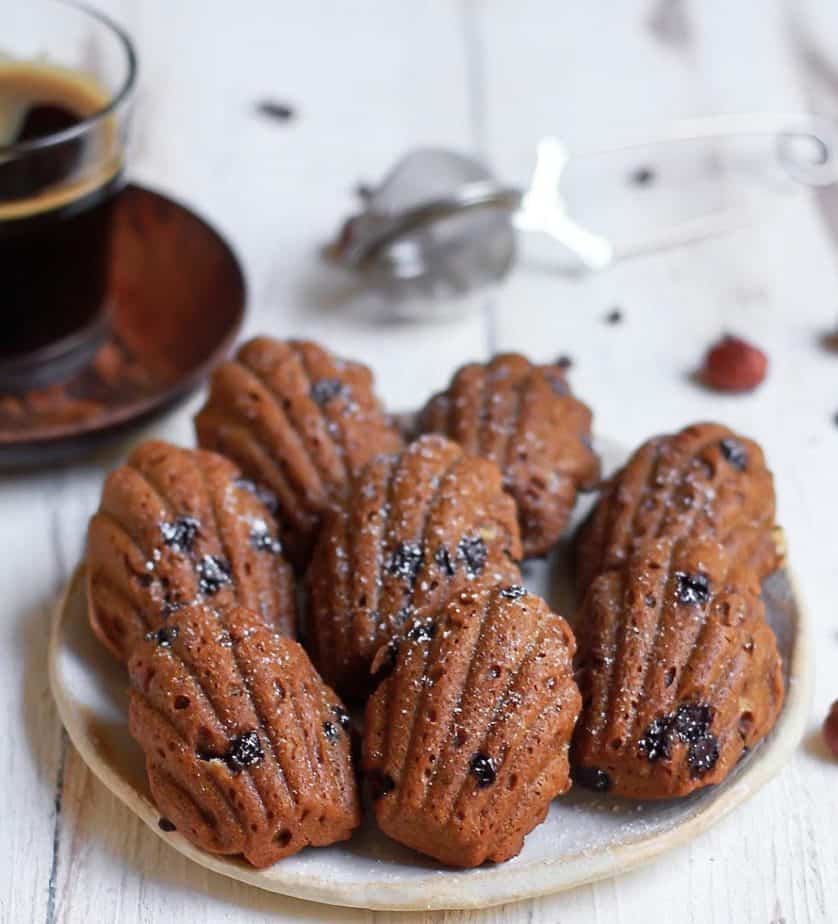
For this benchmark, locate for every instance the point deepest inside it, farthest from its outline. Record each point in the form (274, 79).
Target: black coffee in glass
(55, 209)
(66, 80)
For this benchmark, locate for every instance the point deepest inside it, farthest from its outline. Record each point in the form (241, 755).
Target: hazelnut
(733, 365)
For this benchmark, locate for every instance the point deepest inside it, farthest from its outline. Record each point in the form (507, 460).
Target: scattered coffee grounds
(733, 365)
(615, 316)
(165, 825)
(272, 109)
(642, 176)
(564, 361)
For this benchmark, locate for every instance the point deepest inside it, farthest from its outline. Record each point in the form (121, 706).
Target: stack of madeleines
(480, 702)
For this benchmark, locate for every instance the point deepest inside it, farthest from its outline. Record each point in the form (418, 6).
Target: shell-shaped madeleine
(247, 750)
(705, 482)
(416, 528)
(298, 420)
(466, 742)
(523, 418)
(679, 671)
(175, 526)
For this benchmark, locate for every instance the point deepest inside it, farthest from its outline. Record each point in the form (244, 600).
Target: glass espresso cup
(67, 75)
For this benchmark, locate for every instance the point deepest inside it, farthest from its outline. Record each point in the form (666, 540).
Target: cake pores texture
(523, 418)
(466, 741)
(417, 528)
(298, 420)
(679, 671)
(174, 526)
(704, 482)
(247, 750)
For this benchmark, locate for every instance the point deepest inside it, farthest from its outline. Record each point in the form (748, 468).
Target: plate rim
(487, 889)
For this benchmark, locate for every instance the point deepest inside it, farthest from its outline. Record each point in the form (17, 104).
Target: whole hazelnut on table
(733, 365)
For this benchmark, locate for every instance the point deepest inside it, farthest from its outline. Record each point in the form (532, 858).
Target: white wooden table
(368, 80)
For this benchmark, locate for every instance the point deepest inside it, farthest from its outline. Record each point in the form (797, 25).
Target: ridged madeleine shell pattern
(704, 482)
(174, 526)
(466, 742)
(247, 750)
(523, 418)
(679, 671)
(417, 528)
(298, 420)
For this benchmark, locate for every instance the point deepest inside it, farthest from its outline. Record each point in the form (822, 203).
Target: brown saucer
(177, 294)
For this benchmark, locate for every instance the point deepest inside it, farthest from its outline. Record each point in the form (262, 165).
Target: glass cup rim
(118, 98)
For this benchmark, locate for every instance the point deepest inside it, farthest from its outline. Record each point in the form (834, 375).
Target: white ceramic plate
(585, 837)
